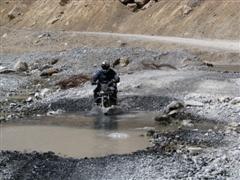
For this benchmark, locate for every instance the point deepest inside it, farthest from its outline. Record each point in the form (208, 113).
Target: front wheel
(106, 102)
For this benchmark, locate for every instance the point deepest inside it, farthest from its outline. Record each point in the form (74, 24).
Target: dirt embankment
(186, 18)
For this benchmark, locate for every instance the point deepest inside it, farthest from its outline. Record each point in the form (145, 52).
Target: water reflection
(105, 122)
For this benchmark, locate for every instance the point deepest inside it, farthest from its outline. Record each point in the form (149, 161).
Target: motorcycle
(106, 95)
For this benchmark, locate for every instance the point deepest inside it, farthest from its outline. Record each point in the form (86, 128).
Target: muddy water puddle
(77, 136)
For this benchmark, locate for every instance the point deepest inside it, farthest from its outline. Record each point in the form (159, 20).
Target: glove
(111, 82)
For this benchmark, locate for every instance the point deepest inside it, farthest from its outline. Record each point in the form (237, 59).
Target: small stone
(177, 106)
(224, 99)
(44, 35)
(2, 68)
(29, 99)
(49, 72)
(123, 62)
(63, 2)
(57, 112)
(132, 6)
(37, 95)
(194, 103)
(54, 61)
(4, 35)
(163, 119)
(141, 2)
(234, 124)
(2, 118)
(186, 9)
(149, 4)
(10, 116)
(21, 66)
(16, 11)
(150, 132)
(235, 101)
(44, 92)
(187, 123)
(54, 20)
(11, 105)
(194, 150)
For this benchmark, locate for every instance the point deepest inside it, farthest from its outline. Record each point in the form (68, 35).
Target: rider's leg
(96, 95)
(114, 98)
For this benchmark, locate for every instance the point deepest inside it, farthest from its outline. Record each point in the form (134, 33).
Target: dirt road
(205, 43)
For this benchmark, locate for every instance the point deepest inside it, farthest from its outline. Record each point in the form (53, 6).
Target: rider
(105, 75)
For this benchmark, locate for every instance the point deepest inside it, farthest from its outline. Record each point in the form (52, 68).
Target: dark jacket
(105, 77)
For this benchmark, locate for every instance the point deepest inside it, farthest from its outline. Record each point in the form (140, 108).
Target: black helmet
(105, 65)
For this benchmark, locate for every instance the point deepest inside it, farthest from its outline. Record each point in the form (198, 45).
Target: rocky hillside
(187, 18)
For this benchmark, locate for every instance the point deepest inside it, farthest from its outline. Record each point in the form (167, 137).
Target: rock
(141, 2)
(53, 20)
(121, 44)
(37, 41)
(132, 6)
(187, 123)
(150, 132)
(4, 35)
(125, 1)
(10, 116)
(16, 11)
(29, 99)
(63, 2)
(224, 99)
(21, 66)
(163, 119)
(123, 62)
(194, 150)
(235, 101)
(234, 124)
(44, 92)
(45, 66)
(149, 4)
(175, 106)
(37, 95)
(44, 35)
(194, 103)
(53, 61)
(2, 68)
(186, 9)
(2, 119)
(49, 72)
(57, 112)
(194, 3)
(73, 81)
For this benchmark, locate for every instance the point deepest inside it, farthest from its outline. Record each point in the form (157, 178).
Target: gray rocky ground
(150, 80)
